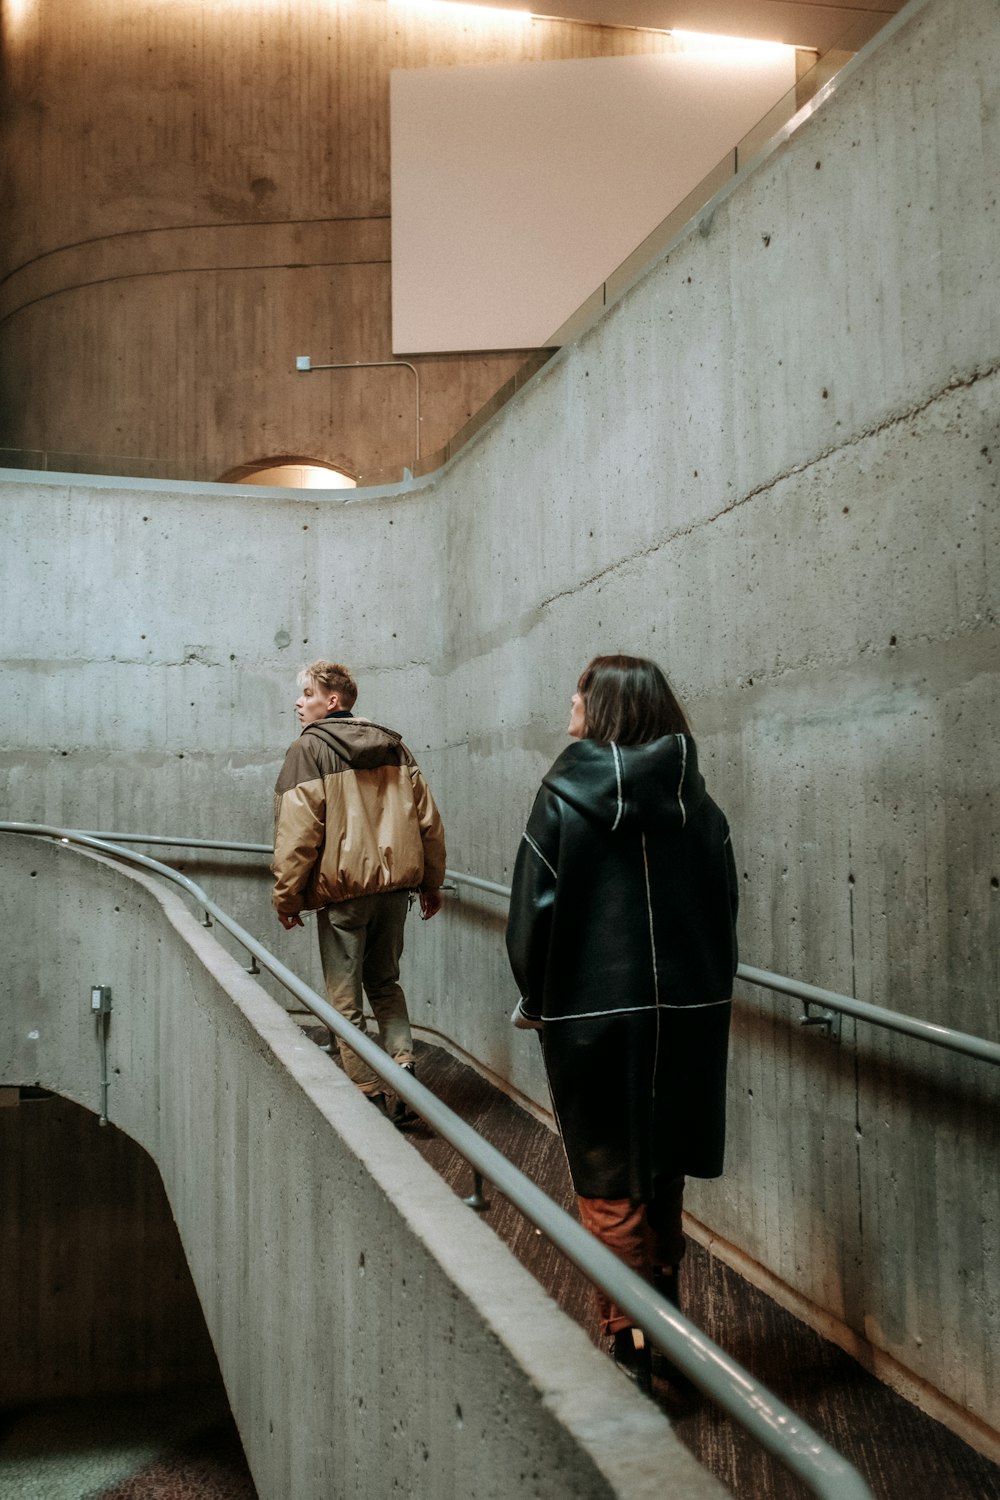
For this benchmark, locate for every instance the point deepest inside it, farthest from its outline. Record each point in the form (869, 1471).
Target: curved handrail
(848, 1005)
(762, 1414)
(861, 1010)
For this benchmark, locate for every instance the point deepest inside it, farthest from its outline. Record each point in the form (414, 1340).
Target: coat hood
(359, 743)
(656, 786)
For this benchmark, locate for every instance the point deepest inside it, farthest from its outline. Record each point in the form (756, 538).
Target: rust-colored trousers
(646, 1236)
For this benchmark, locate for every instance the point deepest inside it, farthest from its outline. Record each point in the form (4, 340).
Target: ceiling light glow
(15, 11)
(483, 13)
(703, 41)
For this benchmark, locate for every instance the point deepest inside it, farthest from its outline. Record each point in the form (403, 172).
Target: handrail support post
(476, 1198)
(100, 1005)
(831, 1019)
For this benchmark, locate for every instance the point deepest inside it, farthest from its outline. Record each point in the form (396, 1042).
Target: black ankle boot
(633, 1360)
(666, 1281)
(403, 1114)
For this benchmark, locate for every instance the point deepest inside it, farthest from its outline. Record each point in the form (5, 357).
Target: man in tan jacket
(356, 830)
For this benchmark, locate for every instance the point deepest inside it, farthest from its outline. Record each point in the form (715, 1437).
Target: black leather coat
(622, 939)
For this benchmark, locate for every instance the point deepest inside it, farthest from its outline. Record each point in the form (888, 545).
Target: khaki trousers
(360, 942)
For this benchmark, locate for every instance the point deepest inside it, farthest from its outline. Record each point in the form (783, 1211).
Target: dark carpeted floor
(903, 1454)
(210, 1466)
(184, 1445)
(175, 1445)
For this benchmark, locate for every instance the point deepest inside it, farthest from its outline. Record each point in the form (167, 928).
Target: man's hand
(430, 904)
(289, 922)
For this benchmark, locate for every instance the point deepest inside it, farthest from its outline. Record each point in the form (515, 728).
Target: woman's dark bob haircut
(629, 700)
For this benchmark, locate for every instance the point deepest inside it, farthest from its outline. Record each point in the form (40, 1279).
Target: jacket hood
(358, 742)
(654, 786)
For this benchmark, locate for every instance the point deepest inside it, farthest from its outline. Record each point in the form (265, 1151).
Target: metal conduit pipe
(772, 1424)
(862, 1010)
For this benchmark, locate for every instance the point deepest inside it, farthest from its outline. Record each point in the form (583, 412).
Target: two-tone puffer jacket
(622, 940)
(352, 817)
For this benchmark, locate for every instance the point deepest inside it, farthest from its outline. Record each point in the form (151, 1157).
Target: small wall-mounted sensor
(100, 999)
(303, 362)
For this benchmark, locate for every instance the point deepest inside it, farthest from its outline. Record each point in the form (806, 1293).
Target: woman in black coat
(622, 939)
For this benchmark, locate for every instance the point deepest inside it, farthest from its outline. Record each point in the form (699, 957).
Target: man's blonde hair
(332, 678)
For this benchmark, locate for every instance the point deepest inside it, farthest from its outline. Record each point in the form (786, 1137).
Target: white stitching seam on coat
(531, 843)
(632, 1010)
(652, 950)
(616, 756)
(680, 784)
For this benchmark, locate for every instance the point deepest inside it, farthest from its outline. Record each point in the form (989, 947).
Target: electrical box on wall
(100, 999)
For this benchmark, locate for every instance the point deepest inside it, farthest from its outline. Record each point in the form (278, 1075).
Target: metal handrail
(771, 1423)
(861, 1010)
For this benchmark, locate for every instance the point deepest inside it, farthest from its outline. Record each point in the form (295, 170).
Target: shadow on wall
(97, 1295)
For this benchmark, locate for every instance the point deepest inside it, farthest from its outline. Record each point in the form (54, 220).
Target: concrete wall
(154, 636)
(373, 1334)
(773, 466)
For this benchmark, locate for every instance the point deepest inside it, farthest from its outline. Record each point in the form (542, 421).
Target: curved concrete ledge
(374, 1336)
(175, 249)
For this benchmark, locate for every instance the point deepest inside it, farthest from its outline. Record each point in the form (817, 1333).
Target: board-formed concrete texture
(374, 1336)
(193, 196)
(772, 466)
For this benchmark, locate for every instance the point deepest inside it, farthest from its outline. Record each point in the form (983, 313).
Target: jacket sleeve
(533, 893)
(734, 895)
(431, 832)
(299, 827)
